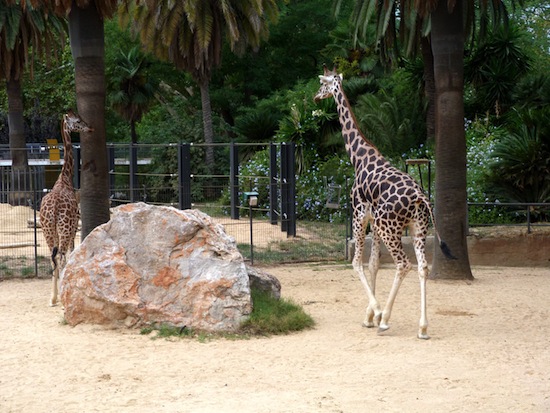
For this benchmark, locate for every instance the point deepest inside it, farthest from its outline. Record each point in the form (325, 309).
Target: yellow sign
(53, 147)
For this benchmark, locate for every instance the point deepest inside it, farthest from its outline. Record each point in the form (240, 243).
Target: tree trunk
(87, 46)
(429, 87)
(16, 125)
(20, 182)
(207, 123)
(209, 190)
(133, 133)
(451, 210)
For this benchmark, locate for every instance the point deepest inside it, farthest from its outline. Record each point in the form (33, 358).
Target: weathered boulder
(264, 281)
(154, 264)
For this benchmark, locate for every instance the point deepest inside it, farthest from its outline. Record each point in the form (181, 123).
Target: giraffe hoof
(368, 324)
(423, 336)
(382, 328)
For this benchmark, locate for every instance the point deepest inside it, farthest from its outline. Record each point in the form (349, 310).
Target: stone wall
(527, 250)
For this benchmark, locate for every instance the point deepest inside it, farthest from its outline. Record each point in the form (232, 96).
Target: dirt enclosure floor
(489, 352)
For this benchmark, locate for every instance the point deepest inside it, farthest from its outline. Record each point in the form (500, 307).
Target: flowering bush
(481, 138)
(313, 187)
(321, 182)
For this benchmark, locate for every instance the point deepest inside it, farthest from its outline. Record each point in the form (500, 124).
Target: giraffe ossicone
(390, 200)
(59, 208)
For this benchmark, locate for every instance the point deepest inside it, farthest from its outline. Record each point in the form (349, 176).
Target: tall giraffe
(59, 208)
(391, 201)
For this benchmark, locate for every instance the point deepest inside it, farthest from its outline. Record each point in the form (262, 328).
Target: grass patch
(297, 250)
(272, 316)
(5, 271)
(168, 331)
(27, 272)
(269, 316)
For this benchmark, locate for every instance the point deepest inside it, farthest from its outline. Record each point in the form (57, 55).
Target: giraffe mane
(325, 78)
(352, 114)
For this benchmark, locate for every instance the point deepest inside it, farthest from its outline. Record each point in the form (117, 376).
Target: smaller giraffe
(59, 208)
(390, 200)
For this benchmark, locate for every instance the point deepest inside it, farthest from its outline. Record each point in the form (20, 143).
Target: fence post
(284, 188)
(273, 184)
(288, 189)
(184, 175)
(291, 177)
(133, 173)
(234, 180)
(35, 201)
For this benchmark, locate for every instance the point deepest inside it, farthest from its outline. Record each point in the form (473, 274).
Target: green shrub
(272, 316)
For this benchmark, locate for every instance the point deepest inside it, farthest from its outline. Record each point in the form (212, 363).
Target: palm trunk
(16, 125)
(209, 190)
(133, 133)
(429, 87)
(207, 123)
(87, 45)
(451, 211)
(20, 182)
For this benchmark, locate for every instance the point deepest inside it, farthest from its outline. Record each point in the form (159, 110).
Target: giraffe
(390, 200)
(59, 208)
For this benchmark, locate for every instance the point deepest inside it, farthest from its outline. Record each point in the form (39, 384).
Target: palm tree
(131, 89)
(451, 207)
(439, 28)
(520, 165)
(26, 33)
(190, 34)
(494, 69)
(384, 124)
(88, 48)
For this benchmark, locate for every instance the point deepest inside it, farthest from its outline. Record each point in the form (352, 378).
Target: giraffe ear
(341, 76)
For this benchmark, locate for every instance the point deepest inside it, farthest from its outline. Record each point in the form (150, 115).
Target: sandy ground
(489, 352)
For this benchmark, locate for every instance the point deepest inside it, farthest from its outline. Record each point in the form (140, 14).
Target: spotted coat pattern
(387, 198)
(59, 208)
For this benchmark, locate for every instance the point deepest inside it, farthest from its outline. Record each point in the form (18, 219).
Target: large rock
(151, 265)
(264, 281)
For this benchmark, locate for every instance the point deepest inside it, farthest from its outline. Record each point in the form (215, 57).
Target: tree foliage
(131, 88)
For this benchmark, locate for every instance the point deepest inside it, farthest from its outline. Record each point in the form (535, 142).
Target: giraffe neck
(68, 159)
(360, 150)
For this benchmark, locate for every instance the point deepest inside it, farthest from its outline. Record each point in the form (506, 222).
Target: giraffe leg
(359, 229)
(55, 276)
(420, 251)
(392, 240)
(66, 242)
(374, 263)
(402, 270)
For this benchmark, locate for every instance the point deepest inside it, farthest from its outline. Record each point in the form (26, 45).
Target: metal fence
(175, 175)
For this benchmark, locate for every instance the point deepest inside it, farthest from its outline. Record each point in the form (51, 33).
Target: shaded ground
(488, 352)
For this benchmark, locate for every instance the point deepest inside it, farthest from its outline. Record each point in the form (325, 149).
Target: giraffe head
(74, 123)
(330, 81)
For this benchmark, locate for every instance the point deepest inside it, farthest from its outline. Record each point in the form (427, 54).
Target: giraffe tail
(445, 249)
(442, 244)
(54, 260)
